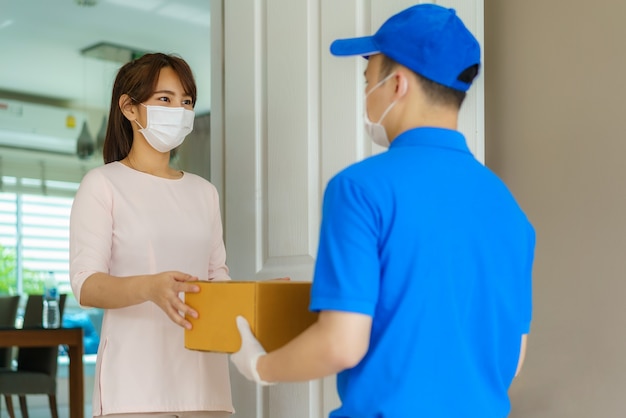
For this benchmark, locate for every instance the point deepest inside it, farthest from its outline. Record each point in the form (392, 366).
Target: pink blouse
(124, 223)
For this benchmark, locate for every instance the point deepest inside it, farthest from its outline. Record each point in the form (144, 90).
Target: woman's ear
(126, 106)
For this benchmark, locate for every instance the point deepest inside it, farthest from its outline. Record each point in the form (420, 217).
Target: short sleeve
(347, 269)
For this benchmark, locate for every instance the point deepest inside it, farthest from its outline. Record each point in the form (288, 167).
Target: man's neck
(445, 120)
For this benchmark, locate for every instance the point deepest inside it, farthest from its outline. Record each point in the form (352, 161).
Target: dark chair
(36, 366)
(8, 314)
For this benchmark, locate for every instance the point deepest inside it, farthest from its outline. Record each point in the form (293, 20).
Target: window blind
(36, 195)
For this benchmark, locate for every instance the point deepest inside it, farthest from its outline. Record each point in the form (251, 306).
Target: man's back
(432, 245)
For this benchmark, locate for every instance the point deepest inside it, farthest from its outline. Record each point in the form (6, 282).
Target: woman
(141, 233)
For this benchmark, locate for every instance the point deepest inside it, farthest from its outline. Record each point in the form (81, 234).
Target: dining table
(49, 337)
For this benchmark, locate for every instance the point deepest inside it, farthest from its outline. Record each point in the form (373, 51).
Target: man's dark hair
(437, 93)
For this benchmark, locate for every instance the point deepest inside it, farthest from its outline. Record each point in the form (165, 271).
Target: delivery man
(423, 275)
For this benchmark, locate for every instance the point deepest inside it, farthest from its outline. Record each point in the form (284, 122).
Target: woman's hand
(164, 289)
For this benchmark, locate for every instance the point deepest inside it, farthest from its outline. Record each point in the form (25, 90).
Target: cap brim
(354, 46)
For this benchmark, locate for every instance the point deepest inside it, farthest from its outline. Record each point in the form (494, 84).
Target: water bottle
(51, 314)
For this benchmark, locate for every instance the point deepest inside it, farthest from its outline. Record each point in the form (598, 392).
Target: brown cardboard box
(277, 310)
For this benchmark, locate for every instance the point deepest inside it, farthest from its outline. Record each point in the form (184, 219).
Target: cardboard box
(277, 310)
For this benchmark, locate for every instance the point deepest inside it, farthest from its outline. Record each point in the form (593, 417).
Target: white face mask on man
(167, 127)
(376, 131)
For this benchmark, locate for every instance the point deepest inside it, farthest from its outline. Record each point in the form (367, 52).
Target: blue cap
(430, 40)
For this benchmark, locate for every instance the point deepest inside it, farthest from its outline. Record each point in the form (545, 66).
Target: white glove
(246, 358)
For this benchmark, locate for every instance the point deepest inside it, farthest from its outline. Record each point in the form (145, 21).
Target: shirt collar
(431, 137)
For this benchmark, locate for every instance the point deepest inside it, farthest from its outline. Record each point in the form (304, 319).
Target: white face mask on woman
(376, 131)
(167, 127)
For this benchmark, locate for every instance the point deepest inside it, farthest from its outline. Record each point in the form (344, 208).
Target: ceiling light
(146, 5)
(85, 146)
(110, 52)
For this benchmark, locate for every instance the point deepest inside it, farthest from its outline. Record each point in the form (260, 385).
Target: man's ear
(403, 84)
(126, 106)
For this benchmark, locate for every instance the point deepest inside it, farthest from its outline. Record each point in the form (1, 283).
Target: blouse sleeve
(91, 224)
(218, 270)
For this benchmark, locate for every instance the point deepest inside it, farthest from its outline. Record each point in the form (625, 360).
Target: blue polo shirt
(432, 245)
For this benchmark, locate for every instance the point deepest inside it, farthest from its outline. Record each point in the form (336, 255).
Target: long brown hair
(138, 79)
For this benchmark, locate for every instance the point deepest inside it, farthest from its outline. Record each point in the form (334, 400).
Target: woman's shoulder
(106, 169)
(198, 181)
(106, 172)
